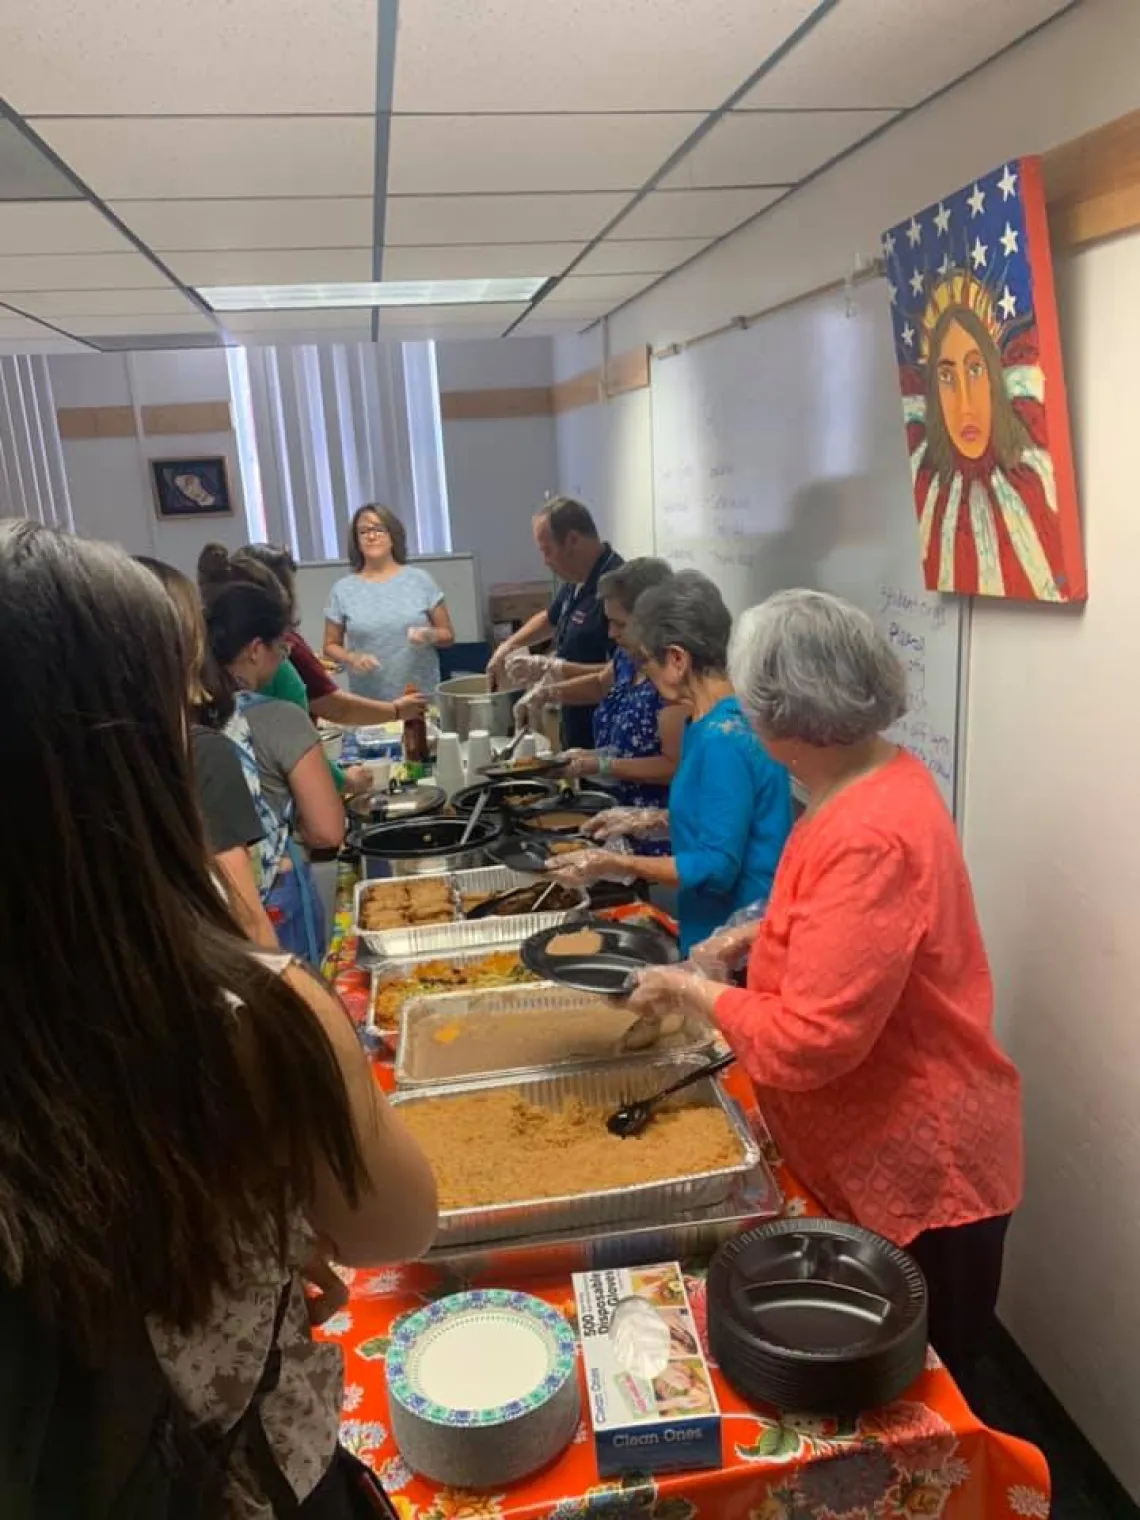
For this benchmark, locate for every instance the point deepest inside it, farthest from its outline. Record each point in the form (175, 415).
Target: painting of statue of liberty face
(975, 326)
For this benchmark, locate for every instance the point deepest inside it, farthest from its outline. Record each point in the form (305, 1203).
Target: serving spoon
(628, 1121)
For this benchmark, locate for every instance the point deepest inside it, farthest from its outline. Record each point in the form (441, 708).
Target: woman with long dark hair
(185, 1118)
(281, 754)
(230, 818)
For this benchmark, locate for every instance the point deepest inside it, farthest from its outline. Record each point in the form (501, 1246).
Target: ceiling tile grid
(599, 144)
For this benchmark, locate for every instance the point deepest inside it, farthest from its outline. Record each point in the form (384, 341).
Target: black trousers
(962, 1267)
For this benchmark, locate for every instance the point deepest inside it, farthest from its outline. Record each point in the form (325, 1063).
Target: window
(33, 481)
(323, 429)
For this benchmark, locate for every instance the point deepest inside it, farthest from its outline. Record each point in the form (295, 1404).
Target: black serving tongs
(629, 1120)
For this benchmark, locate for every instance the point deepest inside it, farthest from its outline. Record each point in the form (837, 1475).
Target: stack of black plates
(816, 1316)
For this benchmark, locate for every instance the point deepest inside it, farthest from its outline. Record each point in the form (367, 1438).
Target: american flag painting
(975, 326)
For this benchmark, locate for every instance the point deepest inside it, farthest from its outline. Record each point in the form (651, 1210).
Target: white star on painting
(892, 291)
(888, 243)
(946, 266)
(1009, 241)
(914, 233)
(1008, 304)
(917, 281)
(942, 220)
(976, 201)
(908, 335)
(1007, 183)
(978, 253)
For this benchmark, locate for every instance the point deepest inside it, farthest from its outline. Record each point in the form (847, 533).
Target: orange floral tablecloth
(924, 1457)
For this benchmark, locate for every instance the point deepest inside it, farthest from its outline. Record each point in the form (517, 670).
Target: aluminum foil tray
(604, 1087)
(386, 971)
(541, 1000)
(419, 940)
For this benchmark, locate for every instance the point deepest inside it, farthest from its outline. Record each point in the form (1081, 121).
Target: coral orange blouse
(866, 1024)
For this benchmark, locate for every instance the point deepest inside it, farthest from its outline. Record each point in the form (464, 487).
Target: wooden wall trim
(176, 419)
(478, 406)
(627, 372)
(580, 390)
(186, 417)
(83, 422)
(1092, 184)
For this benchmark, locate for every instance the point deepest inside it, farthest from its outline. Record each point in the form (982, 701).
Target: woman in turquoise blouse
(730, 805)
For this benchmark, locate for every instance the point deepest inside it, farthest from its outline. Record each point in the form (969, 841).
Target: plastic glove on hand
(627, 822)
(420, 633)
(579, 762)
(586, 866)
(524, 668)
(664, 990)
(723, 953)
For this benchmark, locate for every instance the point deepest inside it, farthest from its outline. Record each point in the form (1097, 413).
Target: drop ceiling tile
(594, 55)
(473, 314)
(603, 288)
(654, 256)
(15, 326)
(50, 343)
(568, 311)
(142, 326)
(480, 261)
(74, 271)
(433, 154)
(219, 224)
(419, 220)
(26, 172)
(290, 266)
(127, 57)
(693, 213)
(57, 227)
(890, 53)
(749, 148)
(181, 158)
(539, 326)
(57, 305)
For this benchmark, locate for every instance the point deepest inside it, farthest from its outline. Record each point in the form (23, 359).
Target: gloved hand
(724, 952)
(586, 866)
(529, 706)
(423, 633)
(413, 705)
(663, 990)
(360, 662)
(579, 762)
(496, 667)
(524, 668)
(628, 823)
(357, 781)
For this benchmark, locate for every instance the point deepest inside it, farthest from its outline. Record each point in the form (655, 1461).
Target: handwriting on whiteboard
(907, 619)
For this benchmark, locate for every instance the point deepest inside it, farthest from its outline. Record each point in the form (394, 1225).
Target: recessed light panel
(381, 293)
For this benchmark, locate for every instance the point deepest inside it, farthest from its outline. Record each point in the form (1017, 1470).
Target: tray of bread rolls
(400, 918)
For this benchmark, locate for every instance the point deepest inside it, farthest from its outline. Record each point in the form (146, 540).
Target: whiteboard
(456, 575)
(779, 460)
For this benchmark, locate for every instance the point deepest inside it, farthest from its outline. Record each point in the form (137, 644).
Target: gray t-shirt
(376, 616)
(282, 734)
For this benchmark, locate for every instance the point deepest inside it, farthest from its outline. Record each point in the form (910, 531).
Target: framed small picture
(191, 487)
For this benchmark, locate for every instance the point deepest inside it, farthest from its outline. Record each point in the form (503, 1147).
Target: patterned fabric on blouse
(625, 720)
(215, 1369)
(866, 1023)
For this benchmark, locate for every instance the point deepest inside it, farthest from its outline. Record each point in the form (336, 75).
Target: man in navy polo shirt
(567, 538)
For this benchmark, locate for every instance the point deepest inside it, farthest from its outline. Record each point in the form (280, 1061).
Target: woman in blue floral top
(637, 735)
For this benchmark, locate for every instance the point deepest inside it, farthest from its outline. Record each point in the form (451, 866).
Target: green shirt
(287, 686)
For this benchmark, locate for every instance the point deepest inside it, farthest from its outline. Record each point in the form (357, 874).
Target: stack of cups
(449, 764)
(478, 752)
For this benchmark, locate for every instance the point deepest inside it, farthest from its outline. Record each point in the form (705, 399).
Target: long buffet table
(923, 1457)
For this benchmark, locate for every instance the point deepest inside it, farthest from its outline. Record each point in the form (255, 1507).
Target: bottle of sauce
(415, 742)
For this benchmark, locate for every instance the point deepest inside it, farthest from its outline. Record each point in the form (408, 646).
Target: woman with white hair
(730, 804)
(866, 1022)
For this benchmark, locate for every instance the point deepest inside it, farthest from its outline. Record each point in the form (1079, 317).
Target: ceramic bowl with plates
(482, 1388)
(816, 1315)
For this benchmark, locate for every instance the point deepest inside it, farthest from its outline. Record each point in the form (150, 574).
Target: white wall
(498, 469)
(108, 478)
(1052, 830)
(605, 452)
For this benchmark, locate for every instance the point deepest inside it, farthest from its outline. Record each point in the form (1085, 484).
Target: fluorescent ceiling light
(380, 293)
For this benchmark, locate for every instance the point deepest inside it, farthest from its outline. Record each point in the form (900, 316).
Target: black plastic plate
(609, 971)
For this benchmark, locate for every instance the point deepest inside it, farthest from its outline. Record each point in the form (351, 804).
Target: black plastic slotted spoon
(628, 1121)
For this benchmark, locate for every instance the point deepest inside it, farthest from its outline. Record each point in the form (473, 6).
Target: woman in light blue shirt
(730, 804)
(385, 621)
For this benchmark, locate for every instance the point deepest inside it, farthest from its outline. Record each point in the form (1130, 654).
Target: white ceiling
(598, 143)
